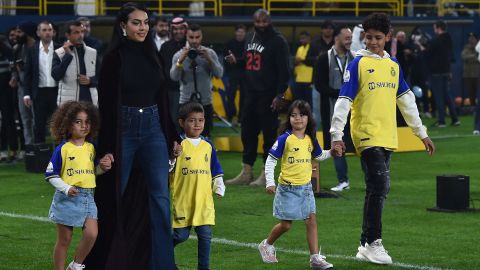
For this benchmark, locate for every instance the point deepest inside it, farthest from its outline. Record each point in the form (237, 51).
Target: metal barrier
(394, 7)
(16, 7)
(312, 7)
(222, 4)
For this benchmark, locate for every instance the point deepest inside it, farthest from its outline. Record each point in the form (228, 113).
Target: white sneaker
(75, 266)
(318, 261)
(359, 255)
(267, 252)
(374, 253)
(476, 132)
(341, 186)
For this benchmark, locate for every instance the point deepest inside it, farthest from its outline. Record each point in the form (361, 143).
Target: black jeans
(235, 81)
(257, 116)
(8, 136)
(376, 167)
(44, 104)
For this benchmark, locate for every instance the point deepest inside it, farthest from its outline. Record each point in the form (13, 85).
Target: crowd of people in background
(39, 73)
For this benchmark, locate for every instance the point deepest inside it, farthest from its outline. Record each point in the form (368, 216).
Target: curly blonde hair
(63, 118)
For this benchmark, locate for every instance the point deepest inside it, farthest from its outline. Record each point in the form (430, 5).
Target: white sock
(313, 255)
(75, 264)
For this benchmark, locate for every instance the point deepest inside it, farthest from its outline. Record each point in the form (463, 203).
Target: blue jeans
(440, 84)
(476, 122)
(144, 140)
(341, 168)
(376, 167)
(204, 234)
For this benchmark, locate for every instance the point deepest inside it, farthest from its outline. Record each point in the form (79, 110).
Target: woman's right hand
(271, 189)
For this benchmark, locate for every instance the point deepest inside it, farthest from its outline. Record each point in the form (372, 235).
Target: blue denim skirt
(294, 202)
(73, 211)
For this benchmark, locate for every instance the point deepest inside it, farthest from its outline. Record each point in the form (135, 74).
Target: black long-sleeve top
(140, 80)
(266, 62)
(440, 53)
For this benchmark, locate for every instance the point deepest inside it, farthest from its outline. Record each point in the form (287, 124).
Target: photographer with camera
(194, 66)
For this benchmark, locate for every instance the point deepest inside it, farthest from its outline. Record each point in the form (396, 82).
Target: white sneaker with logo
(75, 266)
(374, 252)
(267, 252)
(341, 186)
(318, 261)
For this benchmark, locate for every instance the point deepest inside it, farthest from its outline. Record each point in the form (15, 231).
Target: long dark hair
(117, 36)
(304, 109)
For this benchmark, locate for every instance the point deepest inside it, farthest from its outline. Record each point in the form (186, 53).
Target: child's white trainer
(267, 252)
(318, 261)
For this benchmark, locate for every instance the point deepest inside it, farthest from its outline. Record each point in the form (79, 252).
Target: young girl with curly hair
(72, 171)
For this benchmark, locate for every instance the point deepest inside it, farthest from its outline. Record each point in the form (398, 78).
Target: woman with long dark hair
(133, 198)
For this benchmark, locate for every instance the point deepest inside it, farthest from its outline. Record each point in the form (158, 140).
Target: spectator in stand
(419, 71)
(476, 129)
(358, 38)
(194, 67)
(40, 87)
(178, 29)
(161, 32)
(12, 36)
(75, 67)
(25, 41)
(471, 69)
(304, 61)
(90, 41)
(329, 78)
(266, 80)
(323, 43)
(8, 138)
(440, 56)
(235, 70)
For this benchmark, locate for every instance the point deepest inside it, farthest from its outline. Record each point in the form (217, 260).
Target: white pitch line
(229, 242)
(303, 252)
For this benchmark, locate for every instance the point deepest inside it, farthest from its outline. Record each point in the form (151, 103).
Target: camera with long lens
(192, 53)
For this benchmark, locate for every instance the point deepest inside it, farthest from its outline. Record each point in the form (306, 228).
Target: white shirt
(159, 41)
(45, 66)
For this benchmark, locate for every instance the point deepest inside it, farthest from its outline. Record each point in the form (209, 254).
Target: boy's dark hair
(338, 29)
(377, 21)
(188, 108)
(194, 27)
(441, 24)
(64, 117)
(70, 24)
(241, 26)
(43, 22)
(304, 109)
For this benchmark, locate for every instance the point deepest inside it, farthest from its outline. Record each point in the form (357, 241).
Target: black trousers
(44, 104)
(235, 81)
(376, 167)
(8, 137)
(257, 116)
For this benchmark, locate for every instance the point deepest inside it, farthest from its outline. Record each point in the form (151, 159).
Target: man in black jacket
(40, 87)
(178, 28)
(328, 81)
(266, 79)
(440, 56)
(235, 69)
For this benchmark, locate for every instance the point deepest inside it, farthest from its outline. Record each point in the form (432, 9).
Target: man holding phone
(74, 67)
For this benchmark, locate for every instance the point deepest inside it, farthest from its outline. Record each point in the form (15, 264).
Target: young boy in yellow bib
(373, 87)
(191, 183)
